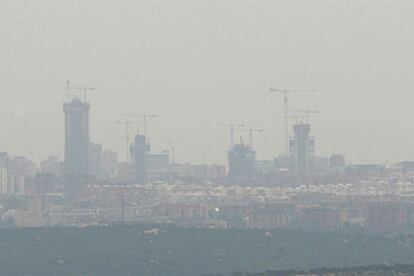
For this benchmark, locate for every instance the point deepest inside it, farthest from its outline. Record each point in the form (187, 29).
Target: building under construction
(242, 164)
(77, 141)
(302, 149)
(140, 151)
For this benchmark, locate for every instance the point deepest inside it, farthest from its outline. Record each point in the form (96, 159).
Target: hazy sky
(197, 64)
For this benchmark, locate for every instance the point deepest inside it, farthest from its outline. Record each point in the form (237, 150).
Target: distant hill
(373, 270)
(169, 250)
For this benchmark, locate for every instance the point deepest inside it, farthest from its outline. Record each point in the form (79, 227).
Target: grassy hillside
(168, 250)
(373, 270)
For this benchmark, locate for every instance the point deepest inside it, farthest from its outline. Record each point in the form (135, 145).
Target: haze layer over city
(206, 138)
(200, 64)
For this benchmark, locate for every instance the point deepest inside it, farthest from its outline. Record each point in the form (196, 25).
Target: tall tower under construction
(242, 164)
(302, 148)
(140, 150)
(77, 142)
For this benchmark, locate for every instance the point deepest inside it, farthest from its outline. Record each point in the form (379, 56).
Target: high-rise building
(302, 148)
(102, 162)
(265, 166)
(109, 164)
(76, 162)
(282, 162)
(6, 178)
(3, 180)
(21, 165)
(320, 164)
(158, 161)
(124, 172)
(45, 183)
(242, 163)
(21, 170)
(337, 161)
(140, 151)
(52, 166)
(4, 160)
(95, 160)
(337, 164)
(159, 168)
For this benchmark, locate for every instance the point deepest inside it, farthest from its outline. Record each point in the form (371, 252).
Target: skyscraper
(242, 163)
(302, 148)
(139, 152)
(76, 162)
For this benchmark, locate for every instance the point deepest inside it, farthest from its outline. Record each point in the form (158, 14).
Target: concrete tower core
(76, 163)
(302, 148)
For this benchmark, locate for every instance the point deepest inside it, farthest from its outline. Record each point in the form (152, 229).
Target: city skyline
(206, 137)
(161, 71)
(240, 133)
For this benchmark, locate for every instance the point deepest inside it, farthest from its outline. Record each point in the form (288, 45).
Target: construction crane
(83, 91)
(251, 135)
(145, 117)
(127, 124)
(306, 113)
(286, 93)
(232, 128)
(172, 151)
(251, 131)
(296, 117)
